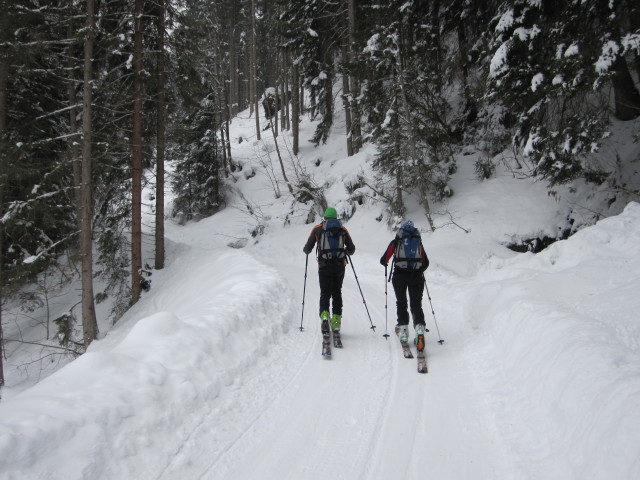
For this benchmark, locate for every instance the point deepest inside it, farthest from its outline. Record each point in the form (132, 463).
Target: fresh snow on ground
(210, 377)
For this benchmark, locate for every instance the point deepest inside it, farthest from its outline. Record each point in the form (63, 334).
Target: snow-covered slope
(210, 377)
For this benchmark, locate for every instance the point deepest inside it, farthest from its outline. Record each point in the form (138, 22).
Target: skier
(409, 263)
(333, 245)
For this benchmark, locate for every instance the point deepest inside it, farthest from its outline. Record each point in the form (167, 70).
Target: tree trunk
(276, 100)
(233, 65)
(284, 86)
(284, 173)
(233, 77)
(254, 67)
(249, 80)
(398, 207)
(2, 180)
(76, 155)
(160, 153)
(354, 88)
(4, 74)
(346, 97)
(89, 322)
(285, 94)
(136, 165)
(220, 107)
(627, 98)
(227, 144)
(295, 108)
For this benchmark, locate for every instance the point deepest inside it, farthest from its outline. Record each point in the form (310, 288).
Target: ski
(422, 356)
(326, 345)
(406, 350)
(337, 341)
(422, 362)
(326, 339)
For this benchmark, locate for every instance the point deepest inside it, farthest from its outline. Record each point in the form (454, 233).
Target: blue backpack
(331, 244)
(408, 253)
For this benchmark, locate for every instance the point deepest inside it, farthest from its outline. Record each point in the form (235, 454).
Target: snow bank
(110, 402)
(560, 338)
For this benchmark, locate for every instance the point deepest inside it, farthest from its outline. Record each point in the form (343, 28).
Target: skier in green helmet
(333, 243)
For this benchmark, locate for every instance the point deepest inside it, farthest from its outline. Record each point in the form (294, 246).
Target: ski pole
(386, 334)
(304, 290)
(441, 341)
(373, 327)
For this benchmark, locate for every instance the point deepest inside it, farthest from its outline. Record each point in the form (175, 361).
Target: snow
(536, 81)
(506, 21)
(631, 42)
(210, 377)
(610, 51)
(499, 63)
(573, 50)
(525, 34)
(532, 139)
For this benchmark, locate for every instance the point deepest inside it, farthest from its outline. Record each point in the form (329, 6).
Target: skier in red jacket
(409, 263)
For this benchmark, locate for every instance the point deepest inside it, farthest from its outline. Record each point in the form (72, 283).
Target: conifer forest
(102, 99)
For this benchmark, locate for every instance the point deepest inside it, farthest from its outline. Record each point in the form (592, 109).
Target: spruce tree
(551, 66)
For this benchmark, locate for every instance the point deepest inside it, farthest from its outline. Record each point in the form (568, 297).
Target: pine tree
(196, 183)
(33, 149)
(550, 65)
(406, 109)
(314, 31)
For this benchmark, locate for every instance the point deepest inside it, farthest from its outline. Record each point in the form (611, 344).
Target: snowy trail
(365, 414)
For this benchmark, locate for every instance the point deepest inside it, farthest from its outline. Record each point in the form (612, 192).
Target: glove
(305, 251)
(382, 262)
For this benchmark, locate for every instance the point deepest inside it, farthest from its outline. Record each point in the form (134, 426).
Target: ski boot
(403, 333)
(336, 322)
(335, 327)
(422, 355)
(419, 340)
(324, 319)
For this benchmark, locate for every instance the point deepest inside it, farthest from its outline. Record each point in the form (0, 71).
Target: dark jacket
(391, 249)
(314, 238)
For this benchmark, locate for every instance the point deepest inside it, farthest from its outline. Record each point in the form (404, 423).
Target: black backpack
(331, 247)
(408, 253)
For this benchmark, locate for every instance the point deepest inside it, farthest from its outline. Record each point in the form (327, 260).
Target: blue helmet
(408, 225)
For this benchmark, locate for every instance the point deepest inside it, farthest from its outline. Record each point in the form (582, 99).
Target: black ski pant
(331, 278)
(404, 281)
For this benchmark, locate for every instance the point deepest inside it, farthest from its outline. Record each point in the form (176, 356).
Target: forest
(100, 99)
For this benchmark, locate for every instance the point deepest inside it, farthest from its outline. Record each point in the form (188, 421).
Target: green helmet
(330, 213)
